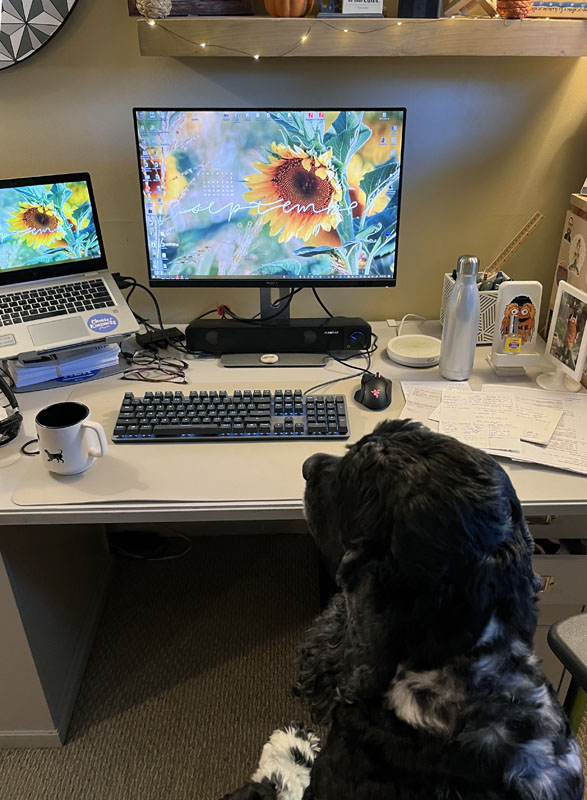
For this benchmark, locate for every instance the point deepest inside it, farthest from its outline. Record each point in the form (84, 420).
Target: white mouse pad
(192, 472)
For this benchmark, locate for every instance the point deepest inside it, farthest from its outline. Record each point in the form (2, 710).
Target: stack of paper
(520, 423)
(567, 448)
(77, 362)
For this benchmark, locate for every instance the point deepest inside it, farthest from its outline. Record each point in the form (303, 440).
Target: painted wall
(488, 142)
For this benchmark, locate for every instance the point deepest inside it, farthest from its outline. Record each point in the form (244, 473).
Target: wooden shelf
(270, 37)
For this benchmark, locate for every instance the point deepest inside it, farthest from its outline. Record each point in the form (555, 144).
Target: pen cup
(65, 433)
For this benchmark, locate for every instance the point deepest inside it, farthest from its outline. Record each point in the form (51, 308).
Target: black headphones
(10, 426)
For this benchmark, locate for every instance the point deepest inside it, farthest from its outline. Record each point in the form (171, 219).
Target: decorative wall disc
(26, 25)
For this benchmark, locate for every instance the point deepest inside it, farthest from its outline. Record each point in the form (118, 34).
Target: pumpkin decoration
(289, 8)
(514, 9)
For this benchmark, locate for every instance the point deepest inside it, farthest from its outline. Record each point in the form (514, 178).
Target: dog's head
(427, 539)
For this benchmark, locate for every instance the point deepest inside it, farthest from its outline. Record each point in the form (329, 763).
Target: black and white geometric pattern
(26, 25)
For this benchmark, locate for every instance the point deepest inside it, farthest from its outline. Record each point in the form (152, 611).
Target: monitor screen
(46, 224)
(271, 197)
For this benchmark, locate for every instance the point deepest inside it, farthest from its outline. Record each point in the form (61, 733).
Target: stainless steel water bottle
(461, 323)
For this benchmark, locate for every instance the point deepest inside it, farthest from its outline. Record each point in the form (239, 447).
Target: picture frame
(567, 336)
(358, 8)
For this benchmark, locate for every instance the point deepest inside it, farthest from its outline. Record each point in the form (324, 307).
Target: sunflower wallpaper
(283, 194)
(46, 224)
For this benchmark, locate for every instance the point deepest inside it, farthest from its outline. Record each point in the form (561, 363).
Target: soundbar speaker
(336, 334)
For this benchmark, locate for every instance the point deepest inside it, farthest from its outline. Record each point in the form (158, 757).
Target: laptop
(55, 288)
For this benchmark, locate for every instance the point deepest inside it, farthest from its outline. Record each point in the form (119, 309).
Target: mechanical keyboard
(238, 415)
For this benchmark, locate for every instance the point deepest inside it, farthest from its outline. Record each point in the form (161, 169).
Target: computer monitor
(271, 198)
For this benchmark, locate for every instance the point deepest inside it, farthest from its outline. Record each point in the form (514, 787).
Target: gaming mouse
(375, 392)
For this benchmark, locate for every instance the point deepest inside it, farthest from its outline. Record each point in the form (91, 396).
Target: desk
(55, 563)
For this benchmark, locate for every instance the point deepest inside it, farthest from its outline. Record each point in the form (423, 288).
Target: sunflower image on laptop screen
(46, 224)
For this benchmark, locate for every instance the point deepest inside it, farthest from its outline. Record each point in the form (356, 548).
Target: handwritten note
(567, 449)
(495, 436)
(534, 423)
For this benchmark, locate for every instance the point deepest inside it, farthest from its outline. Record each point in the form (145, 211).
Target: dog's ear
(505, 583)
(321, 662)
(348, 653)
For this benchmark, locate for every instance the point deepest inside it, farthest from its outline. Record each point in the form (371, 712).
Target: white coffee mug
(64, 431)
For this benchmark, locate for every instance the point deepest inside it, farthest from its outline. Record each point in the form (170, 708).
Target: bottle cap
(468, 265)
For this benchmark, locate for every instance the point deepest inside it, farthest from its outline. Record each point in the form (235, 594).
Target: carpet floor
(190, 672)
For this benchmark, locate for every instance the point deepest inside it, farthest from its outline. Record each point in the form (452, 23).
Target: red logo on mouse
(375, 392)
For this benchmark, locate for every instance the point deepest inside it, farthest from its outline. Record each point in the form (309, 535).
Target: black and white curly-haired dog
(423, 663)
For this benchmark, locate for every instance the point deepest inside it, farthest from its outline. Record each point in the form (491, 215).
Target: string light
(304, 37)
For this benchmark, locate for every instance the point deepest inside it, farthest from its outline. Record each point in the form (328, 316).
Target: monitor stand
(270, 359)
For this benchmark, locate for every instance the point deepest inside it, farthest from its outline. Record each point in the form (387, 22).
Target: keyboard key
(174, 430)
(30, 316)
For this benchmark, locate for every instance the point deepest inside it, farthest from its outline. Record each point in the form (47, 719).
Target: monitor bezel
(62, 268)
(259, 281)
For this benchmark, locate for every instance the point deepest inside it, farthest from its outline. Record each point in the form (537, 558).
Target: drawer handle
(546, 583)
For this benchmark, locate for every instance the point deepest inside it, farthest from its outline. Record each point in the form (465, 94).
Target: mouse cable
(344, 361)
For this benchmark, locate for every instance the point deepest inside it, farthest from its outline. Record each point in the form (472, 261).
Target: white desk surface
(279, 494)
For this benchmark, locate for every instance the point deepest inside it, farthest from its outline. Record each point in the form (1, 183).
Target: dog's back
(422, 664)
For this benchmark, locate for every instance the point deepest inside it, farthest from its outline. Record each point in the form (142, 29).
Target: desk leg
(53, 581)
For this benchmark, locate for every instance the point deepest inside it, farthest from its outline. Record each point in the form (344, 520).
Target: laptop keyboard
(53, 301)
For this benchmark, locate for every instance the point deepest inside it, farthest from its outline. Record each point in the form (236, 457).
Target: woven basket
(514, 9)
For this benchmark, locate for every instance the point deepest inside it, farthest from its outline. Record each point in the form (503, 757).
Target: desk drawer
(564, 579)
(547, 527)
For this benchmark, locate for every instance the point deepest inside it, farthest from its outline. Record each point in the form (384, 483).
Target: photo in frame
(571, 263)
(567, 336)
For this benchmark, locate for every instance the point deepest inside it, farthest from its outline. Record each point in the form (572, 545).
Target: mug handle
(99, 430)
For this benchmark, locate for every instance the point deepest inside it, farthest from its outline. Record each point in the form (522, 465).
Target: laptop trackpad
(59, 331)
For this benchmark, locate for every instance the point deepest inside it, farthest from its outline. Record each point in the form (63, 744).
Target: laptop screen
(47, 228)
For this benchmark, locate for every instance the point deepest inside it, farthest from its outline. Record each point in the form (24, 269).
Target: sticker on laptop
(102, 323)
(7, 339)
